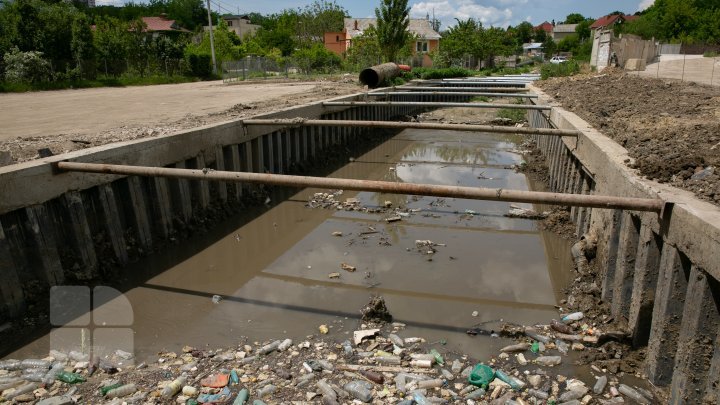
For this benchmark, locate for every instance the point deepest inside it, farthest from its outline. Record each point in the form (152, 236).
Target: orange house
(427, 40)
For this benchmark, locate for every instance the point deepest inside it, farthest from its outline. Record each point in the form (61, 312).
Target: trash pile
(332, 201)
(382, 365)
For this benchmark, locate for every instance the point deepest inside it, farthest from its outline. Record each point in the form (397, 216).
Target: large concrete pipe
(376, 75)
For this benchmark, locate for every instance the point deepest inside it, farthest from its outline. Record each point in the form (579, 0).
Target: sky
(500, 13)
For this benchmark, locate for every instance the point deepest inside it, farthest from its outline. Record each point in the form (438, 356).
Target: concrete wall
(659, 272)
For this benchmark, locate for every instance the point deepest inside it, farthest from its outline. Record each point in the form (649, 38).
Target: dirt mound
(670, 128)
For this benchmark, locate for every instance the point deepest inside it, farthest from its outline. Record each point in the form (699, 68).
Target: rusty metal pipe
(450, 93)
(300, 122)
(433, 104)
(473, 193)
(436, 88)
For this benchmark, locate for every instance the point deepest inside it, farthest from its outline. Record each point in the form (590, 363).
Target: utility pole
(212, 42)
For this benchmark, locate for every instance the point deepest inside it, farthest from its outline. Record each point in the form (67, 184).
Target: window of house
(422, 46)
(229, 23)
(337, 38)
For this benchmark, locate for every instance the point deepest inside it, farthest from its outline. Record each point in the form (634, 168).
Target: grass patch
(121, 81)
(711, 54)
(568, 68)
(481, 99)
(512, 114)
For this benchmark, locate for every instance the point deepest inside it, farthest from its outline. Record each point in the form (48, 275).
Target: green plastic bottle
(438, 357)
(105, 390)
(70, 378)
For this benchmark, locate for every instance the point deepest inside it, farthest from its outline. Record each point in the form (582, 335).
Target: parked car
(558, 59)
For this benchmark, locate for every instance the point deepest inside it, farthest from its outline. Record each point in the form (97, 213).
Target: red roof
(546, 26)
(161, 24)
(610, 20)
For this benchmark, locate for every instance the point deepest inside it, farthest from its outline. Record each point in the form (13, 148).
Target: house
(533, 49)
(546, 26)
(427, 39)
(609, 21)
(240, 25)
(562, 31)
(161, 26)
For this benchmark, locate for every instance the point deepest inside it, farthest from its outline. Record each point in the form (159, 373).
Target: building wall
(559, 36)
(241, 27)
(335, 42)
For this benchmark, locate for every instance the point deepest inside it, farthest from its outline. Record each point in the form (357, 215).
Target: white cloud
(448, 10)
(645, 4)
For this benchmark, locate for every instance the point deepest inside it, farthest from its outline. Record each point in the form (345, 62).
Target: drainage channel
(272, 272)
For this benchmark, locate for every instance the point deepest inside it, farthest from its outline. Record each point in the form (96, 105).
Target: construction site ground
(68, 120)
(671, 129)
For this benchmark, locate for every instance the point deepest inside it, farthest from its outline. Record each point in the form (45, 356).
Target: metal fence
(687, 68)
(255, 67)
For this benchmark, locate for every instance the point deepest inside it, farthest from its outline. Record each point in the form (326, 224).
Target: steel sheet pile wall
(658, 273)
(58, 228)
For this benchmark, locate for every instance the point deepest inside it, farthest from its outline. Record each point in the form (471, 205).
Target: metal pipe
(300, 122)
(473, 193)
(449, 93)
(433, 104)
(437, 88)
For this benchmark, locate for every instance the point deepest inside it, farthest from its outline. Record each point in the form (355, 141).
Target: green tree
(81, 45)
(583, 30)
(574, 18)
(318, 18)
(540, 35)
(111, 40)
(365, 50)
(524, 32)
(225, 41)
(392, 24)
(549, 47)
(190, 14)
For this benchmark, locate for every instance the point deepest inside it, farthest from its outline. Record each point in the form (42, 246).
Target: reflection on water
(273, 270)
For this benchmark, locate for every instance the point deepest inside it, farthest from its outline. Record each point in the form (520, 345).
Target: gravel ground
(671, 129)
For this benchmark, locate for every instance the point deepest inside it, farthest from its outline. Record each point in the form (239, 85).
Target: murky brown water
(273, 270)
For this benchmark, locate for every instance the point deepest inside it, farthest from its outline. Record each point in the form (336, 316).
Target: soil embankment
(671, 129)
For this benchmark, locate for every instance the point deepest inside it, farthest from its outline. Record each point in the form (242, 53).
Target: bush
(198, 64)
(568, 68)
(317, 59)
(444, 73)
(26, 67)
(711, 54)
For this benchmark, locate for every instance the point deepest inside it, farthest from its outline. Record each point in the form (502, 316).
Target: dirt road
(671, 129)
(67, 120)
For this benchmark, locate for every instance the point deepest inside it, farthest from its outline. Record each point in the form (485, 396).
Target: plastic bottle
(266, 390)
(534, 334)
(270, 347)
(70, 378)
(285, 345)
(11, 384)
(174, 387)
(397, 340)
(562, 346)
(514, 383)
(304, 380)
(600, 385)
(420, 399)
(377, 378)
(8, 379)
(104, 390)
(234, 377)
(358, 390)
(438, 357)
(447, 375)
(538, 394)
(36, 376)
(575, 316)
(561, 327)
(189, 391)
(456, 366)
(548, 361)
(50, 376)
(394, 360)
(400, 382)
(34, 363)
(242, 397)
(23, 389)
(435, 383)
(10, 365)
(326, 390)
(422, 356)
(632, 394)
(347, 348)
(477, 394)
(78, 356)
(421, 363)
(125, 390)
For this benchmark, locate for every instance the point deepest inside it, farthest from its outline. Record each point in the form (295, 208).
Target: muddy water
(272, 270)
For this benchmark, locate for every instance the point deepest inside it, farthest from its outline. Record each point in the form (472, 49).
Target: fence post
(683, 69)
(712, 75)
